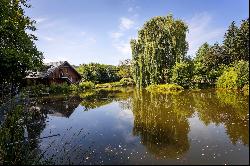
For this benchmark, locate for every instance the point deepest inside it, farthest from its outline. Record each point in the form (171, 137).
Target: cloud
(201, 30)
(123, 47)
(92, 40)
(126, 23)
(121, 38)
(40, 20)
(116, 35)
(47, 38)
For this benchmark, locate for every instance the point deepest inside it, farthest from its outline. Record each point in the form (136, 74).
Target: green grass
(165, 88)
(122, 82)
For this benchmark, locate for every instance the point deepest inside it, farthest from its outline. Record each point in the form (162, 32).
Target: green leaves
(98, 73)
(236, 41)
(18, 52)
(182, 74)
(234, 77)
(161, 43)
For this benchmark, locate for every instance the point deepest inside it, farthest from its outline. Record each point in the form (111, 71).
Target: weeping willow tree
(161, 43)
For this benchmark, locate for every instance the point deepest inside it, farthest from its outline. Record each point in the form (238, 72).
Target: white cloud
(47, 60)
(47, 38)
(126, 23)
(92, 40)
(116, 35)
(40, 20)
(123, 47)
(201, 31)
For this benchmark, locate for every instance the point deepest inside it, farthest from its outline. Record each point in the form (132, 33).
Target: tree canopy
(161, 43)
(18, 52)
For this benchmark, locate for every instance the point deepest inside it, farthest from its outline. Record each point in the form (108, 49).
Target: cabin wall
(64, 71)
(58, 76)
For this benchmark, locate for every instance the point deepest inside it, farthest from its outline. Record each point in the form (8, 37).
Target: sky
(84, 31)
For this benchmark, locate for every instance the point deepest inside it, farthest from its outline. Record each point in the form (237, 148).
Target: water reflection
(62, 106)
(20, 134)
(161, 124)
(101, 97)
(227, 108)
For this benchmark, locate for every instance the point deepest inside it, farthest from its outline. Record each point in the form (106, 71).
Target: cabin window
(66, 70)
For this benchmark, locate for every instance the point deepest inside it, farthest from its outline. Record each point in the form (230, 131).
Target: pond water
(128, 126)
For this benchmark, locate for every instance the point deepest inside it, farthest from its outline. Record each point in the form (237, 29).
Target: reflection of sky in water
(190, 128)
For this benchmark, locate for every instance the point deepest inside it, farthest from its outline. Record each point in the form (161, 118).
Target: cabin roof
(48, 69)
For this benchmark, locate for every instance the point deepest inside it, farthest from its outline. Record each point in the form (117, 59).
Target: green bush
(74, 88)
(164, 88)
(127, 81)
(36, 90)
(59, 88)
(234, 77)
(245, 89)
(182, 74)
(86, 85)
(109, 85)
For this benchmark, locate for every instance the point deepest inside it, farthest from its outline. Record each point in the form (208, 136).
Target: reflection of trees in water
(101, 97)
(19, 135)
(161, 122)
(58, 105)
(161, 119)
(22, 127)
(230, 109)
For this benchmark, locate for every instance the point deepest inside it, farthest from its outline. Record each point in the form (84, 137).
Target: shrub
(59, 88)
(164, 88)
(127, 81)
(87, 94)
(182, 74)
(234, 77)
(245, 89)
(86, 85)
(109, 85)
(74, 88)
(36, 90)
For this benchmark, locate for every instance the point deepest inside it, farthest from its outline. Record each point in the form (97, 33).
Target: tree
(243, 38)
(230, 42)
(18, 52)
(200, 70)
(161, 43)
(98, 73)
(124, 69)
(236, 42)
(235, 77)
(182, 74)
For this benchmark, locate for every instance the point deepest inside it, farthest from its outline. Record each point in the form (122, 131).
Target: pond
(128, 126)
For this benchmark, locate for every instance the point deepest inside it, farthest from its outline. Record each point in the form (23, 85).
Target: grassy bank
(165, 88)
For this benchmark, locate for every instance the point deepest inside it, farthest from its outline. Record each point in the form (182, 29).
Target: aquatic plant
(165, 88)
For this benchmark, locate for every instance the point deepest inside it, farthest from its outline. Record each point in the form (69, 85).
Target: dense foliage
(161, 43)
(18, 52)
(213, 62)
(159, 56)
(182, 74)
(235, 77)
(98, 73)
(124, 69)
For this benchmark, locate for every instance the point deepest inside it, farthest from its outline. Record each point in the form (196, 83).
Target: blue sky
(83, 31)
